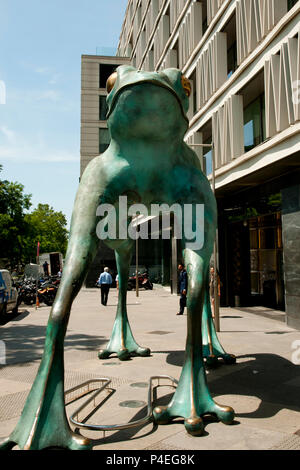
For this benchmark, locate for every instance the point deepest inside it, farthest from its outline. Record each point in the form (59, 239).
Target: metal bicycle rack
(87, 388)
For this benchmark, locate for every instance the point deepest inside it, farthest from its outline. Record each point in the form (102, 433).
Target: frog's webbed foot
(211, 346)
(192, 401)
(122, 341)
(43, 423)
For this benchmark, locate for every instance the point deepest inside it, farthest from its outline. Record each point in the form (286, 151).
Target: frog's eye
(111, 81)
(186, 85)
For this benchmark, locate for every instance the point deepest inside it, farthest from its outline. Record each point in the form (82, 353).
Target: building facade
(243, 60)
(95, 70)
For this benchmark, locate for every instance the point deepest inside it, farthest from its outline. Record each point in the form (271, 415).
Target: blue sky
(41, 43)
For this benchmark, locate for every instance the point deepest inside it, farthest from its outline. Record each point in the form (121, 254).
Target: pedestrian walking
(105, 282)
(182, 287)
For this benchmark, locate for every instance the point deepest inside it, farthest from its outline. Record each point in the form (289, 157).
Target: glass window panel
(207, 160)
(267, 260)
(232, 59)
(254, 260)
(268, 238)
(291, 3)
(254, 283)
(253, 239)
(104, 140)
(102, 108)
(254, 123)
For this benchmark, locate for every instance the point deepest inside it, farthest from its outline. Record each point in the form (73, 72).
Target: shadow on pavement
(16, 317)
(25, 343)
(269, 377)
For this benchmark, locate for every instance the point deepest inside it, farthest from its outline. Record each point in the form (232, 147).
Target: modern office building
(243, 59)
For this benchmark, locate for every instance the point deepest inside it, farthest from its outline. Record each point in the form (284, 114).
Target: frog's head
(147, 105)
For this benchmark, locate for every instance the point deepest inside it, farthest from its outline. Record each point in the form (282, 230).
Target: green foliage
(13, 203)
(20, 231)
(48, 227)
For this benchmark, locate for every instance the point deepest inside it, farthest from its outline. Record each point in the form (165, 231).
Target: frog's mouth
(111, 103)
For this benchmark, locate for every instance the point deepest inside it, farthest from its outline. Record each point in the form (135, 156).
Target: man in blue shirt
(105, 281)
(182, 287)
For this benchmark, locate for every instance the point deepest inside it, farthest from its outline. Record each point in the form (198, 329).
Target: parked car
(8, 294)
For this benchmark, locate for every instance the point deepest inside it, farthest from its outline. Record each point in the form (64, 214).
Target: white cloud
(17, 151)
(43, 70)
(47, 95)
(26, 154)
(53, 77)
(8, 133)
(34, 96)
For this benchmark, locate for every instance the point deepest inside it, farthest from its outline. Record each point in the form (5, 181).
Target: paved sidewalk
(263, 386)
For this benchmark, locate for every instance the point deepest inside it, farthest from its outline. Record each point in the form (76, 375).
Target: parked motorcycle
(46, 294)
(143, 280)
(27, 292)
(45, 289)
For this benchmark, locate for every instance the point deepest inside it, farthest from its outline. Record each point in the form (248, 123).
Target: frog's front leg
(44, 422)
(122, 341)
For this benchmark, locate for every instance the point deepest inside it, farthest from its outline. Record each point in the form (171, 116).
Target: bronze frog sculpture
(148, 161)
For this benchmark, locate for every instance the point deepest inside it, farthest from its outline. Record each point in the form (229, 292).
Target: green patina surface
(148, 162)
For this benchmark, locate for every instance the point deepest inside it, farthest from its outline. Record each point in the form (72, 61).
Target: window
(194, 92)
(206, 132)
(207, 159)
(230, 30)
(291, 4)
(104, 140)
(254, 123)
(204, 17)
(102, 108)
(232, 60)
(105, 70)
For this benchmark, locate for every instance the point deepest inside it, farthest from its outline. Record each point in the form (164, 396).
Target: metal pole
(36, 282)
(137, 267)
(216, 293)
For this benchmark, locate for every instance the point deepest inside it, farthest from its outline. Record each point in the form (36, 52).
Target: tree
(13, 203)
(20, 231)
(48, 227)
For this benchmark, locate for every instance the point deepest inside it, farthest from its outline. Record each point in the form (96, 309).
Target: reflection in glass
(254, 123)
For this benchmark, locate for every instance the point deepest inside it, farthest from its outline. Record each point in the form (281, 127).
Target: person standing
(46, 268)
(182, 285)
(105, 281)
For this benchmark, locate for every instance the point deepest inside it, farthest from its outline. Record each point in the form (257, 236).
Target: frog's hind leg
(212, 348)
(192, 399)
(122, 341)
